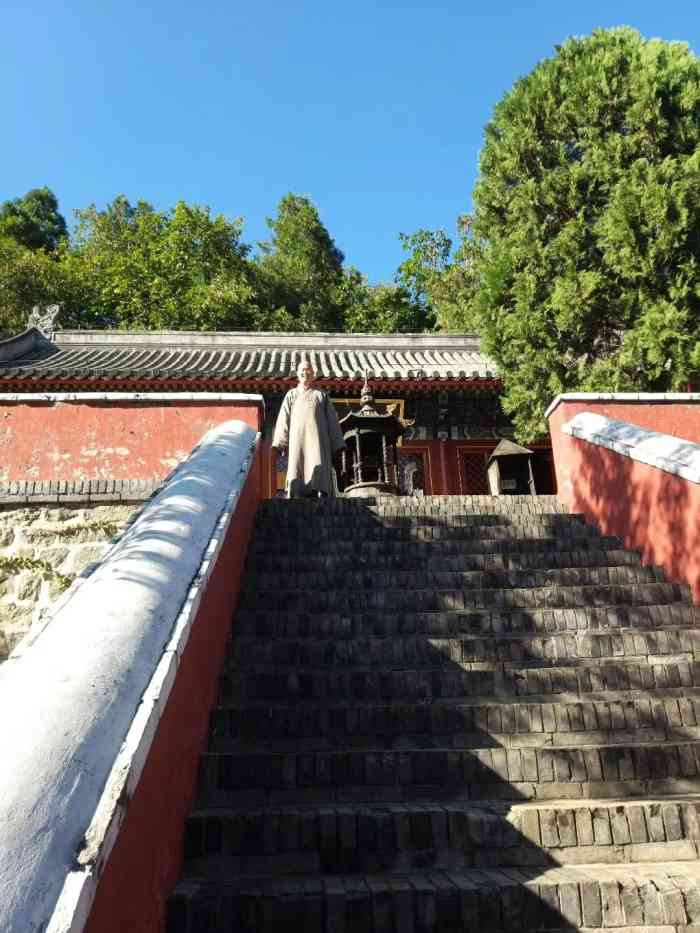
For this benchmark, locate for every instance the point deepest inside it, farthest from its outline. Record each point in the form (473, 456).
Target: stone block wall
(43, 548)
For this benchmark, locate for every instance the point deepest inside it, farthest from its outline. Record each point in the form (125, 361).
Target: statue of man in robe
(307, 426)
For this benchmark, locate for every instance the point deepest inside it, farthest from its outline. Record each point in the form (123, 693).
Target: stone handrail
(82, 699)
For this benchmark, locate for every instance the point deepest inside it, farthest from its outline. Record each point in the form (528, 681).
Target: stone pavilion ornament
(44, 319)
(369, 464)
(509, 470)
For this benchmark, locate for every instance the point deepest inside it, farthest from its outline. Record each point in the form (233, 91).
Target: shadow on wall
(651, 510)
(164, 528)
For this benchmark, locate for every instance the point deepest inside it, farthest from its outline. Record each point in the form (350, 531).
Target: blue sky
(374, 110)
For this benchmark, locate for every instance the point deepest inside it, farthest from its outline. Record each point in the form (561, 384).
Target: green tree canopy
(178, 269)
(34, 220)
(300, 270)
(381, 309)
(302, 283)
(586, 232)
(34, 277)
(440, 281)
(132, 266)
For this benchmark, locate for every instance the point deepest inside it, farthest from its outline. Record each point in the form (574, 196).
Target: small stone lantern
(509, 470)
(368, 464)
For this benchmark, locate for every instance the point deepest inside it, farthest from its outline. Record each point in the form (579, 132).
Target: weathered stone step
(406, 837)
(267, 624)
(481, 723)
(358, 524)
(639, 899)
(519, 578)
(477, 526)
(366, 552)
(552, 596)
(292, 566)
(413, 651)
(434, 506)
(424, 505)
(494, 680)
(380, 775)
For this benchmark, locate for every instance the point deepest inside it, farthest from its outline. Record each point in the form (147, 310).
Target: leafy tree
(439, 282)
(34, 220)
(429, 255)
(35, 277)
(381, 309)
(180, 269)
(300, 280)
(586, 234)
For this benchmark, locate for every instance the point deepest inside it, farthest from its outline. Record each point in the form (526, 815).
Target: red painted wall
(652, 511)
(445, 466)
(107, 439)
(146, 861)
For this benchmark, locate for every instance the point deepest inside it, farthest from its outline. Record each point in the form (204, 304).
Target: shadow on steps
(365, 775)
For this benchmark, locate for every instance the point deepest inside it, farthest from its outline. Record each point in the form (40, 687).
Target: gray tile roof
(178, 355)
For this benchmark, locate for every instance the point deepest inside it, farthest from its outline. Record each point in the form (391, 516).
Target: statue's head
(305, 373)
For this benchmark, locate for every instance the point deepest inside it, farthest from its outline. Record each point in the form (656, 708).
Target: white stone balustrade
(81, 699)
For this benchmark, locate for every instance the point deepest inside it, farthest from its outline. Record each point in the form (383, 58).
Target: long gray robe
(308, 425)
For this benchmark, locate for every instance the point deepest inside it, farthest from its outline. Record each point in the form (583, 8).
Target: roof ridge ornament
(44, 319)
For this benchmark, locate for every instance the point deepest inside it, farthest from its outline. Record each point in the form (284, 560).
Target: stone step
(407, 837)
(552, 596)
(427, 685)
(268, 624)
(481, 723)
(518, 578)
(422, 529)
(296, 564)
(441, 715)
(662, 898)
(361, 523)
(424, 505)
(434, 506)
(392, 526)
(415, 651)
(378, 775)
(365, 551)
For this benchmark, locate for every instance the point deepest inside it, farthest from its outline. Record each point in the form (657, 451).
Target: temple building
(376, 713)
(442, 383)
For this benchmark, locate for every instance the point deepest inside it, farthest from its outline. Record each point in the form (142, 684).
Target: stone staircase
(448, 714)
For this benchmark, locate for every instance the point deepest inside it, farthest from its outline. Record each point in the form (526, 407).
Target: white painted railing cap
(81, 701)
(672, 454)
